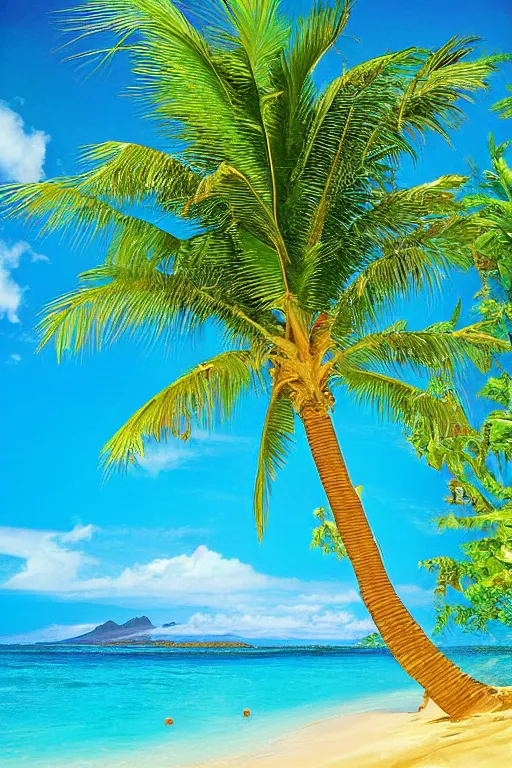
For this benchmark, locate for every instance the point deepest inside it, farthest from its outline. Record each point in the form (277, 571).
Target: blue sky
(176, 539)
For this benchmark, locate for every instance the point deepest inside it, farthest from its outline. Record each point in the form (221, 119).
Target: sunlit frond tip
(204, 396)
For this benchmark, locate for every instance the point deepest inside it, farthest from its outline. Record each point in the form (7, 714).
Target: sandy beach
(390, 740)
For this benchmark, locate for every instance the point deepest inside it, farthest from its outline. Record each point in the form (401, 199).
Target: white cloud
(14, 359)
(317, 625)
(339, 598)
(50, 634)
(54, 565)
(169, 456)
(218, 438)
(22, 152)
(226, 595)
(47, 562)
(163, 458)
(11, 293)
(202, 577)
(79, 533)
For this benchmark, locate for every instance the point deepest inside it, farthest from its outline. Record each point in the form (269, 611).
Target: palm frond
(61, 207)
(368, 118)
(350, 84)
(400, 210)
(179, 80)
(144, 303)
(406, 266)
(446, 76)
(396, 400)
(230, 187)
(131, 173)
(504, 106)
(262, 33)
(312, 37)
(481, 522)
(203, 397)
(429, 350)
(338, 161)
(275, 444)
(479, 346)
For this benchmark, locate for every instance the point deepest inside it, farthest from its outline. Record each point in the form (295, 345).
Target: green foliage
(372, 641)
(478, 459)
(492, 203)
(301, 241)
(483, 575)
(504, 106)
(325, 536)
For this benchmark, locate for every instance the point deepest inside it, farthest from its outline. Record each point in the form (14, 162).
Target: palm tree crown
(302, 235)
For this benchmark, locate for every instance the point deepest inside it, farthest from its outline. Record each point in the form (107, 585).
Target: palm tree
(303, 242)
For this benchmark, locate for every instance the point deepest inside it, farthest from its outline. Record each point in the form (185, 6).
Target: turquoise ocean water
(90, 707)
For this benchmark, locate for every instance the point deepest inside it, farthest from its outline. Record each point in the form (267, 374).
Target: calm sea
(87, 707)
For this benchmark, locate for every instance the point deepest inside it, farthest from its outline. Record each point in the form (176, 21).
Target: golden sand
(389, 740)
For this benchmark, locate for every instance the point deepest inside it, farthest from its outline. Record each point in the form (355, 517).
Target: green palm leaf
(115, 300)
(396, 400)
(262, 32)
(131, 173)
(203, 397)
(276, 439)
(179, 79)
(405, 266)
(447, 75)
(313, 36)
(504, 106)
(425, 350)
(60, 206)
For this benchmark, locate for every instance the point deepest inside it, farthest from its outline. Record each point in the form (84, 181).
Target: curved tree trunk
(452, 690)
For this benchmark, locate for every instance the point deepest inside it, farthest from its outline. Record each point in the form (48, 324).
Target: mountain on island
(110, 630)
(138, 631)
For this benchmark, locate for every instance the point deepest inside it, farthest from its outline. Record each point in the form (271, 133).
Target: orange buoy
(169, 721)
(247, 712)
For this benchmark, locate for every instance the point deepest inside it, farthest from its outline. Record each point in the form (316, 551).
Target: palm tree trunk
(455, 692)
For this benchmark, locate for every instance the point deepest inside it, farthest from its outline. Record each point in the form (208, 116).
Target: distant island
(138, 632)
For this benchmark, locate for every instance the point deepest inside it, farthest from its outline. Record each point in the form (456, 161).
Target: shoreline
(426, 739)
